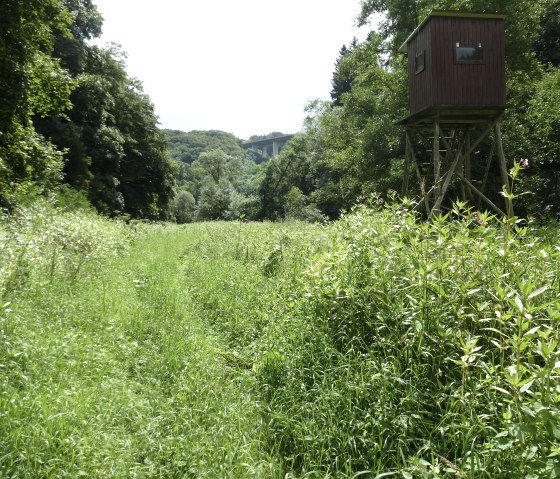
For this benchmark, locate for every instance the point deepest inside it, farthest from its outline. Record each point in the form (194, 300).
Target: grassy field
(377, 346)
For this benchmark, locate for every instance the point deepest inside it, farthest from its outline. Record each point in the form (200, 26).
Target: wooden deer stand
(455, 135)
(457, 97)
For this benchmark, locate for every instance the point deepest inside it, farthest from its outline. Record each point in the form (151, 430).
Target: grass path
(121, 375)
(377, 346)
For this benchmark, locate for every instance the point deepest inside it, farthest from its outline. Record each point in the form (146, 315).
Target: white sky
(247, 67)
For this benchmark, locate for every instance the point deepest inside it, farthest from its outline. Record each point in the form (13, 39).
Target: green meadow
(376, 346)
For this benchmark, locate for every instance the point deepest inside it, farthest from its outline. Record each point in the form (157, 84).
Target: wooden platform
(452, 116)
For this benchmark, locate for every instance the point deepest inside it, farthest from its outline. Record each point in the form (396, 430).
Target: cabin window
(420, 62)
(469, 54)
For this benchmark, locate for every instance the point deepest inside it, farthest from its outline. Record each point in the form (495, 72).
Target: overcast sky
(247, 67)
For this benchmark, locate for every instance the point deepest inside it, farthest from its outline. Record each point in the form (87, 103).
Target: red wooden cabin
(456, 65)
(457, 88)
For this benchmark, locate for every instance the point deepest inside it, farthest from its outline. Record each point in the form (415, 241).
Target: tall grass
(107, 368)
(377, 346)
(416, 349)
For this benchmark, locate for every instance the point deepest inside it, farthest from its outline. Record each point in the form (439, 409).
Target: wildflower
(524, 163)
(478, 219)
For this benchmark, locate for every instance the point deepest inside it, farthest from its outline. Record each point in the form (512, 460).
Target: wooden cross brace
(461, 156)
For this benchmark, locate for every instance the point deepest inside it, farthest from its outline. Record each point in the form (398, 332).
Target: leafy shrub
(422, 349)
(39, 241)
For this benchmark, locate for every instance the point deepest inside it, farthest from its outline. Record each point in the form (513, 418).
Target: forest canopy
(73, 122)
(70, 115)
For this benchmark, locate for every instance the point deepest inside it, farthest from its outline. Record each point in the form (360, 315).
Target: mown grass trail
(118, 372)
(376, 346)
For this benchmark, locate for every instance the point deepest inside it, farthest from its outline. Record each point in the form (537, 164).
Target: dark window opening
(469, 55)
(420, 62)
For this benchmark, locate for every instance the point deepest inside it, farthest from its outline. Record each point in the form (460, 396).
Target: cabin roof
(449, 13)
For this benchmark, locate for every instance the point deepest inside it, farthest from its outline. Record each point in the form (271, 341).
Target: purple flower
(478, 220)
(524, 163)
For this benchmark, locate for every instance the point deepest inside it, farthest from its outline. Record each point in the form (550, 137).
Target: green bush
(422, 349)
(40, 242)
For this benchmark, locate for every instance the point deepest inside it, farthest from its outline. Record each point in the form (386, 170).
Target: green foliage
(299, 208)
(28, 166)
(187, 147)
(417, 350)
(547, 45)
(542, 146)
(31, 83)
(184, 206)
(115, 152)
(220, 175)
(292, 168)
(108, 369)
(378, 345)
(214, 201)
(40, 243)
(58, 90)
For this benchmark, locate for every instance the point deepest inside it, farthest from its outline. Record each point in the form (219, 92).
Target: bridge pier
(263, 146)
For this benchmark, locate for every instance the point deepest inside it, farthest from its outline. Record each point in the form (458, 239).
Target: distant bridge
(268, 147)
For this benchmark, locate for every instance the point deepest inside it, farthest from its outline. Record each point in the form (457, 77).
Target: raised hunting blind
(457, 87)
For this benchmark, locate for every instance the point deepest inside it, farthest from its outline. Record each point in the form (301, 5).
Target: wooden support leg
(406, 170)
(477, 192)
(425, 196)
(467, 195)
(503, 168)
(437, 159)
(487, 169)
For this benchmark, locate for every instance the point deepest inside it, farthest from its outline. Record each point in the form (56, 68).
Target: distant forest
(75, 126)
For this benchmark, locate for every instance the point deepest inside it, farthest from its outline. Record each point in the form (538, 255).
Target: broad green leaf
(539, 291)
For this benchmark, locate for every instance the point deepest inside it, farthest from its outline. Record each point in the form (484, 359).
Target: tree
(343, 76)
(86, 24)
(214, 163)
(184, 206)
(541, 131)
(214, 202)
(146, 175)
(31, 83)
(114, 150)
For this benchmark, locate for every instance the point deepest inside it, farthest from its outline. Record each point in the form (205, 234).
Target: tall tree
(114, 151)
(342, 77)
(31, 83)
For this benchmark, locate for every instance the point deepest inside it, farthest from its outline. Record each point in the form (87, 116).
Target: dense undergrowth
(413, 349)
(106, 367)
(376, 346)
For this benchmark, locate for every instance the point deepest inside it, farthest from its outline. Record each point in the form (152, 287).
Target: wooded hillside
(73, 122)
(70, 115)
